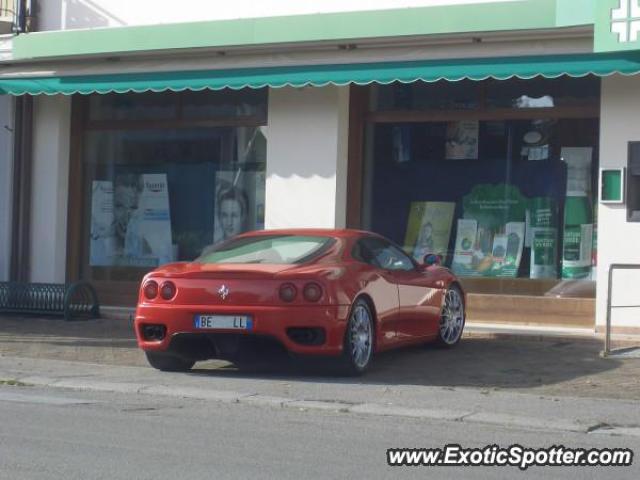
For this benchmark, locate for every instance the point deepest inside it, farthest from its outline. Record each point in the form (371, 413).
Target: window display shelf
(531, 287)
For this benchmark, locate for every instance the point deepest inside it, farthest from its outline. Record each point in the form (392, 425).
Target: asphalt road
(54, 433)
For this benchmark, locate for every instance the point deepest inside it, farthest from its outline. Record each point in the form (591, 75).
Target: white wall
(51, 124)
(72, 14)
(6, 174)
(307, 157)
(618, 240)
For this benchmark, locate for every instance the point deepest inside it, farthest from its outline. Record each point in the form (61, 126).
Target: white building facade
(478, 128)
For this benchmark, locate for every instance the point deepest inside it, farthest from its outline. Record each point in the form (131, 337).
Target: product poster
(401, 138)
(493, 206)
(535, 142)
(499, 212)
(544, 257)
(578, 160)
(499, 251)
(578, 218)
(102, 245)
(465, 242)
(515, 232)
(462, 140)
(542, 237)
(239, 203)
(130, 221)
(542, 213)
(538, 153)
(149, 232)
(576, 254)
(429, 229)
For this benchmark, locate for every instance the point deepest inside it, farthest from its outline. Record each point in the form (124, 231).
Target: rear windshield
(274, 249)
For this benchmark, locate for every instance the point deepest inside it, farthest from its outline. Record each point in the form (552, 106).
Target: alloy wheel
(452, 318)
(361, 336)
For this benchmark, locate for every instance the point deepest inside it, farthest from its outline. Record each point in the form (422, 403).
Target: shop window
(234, 103)
(155, 192)
(133, 106)
(382, 254)
(633, 183)
(542, 93)
(462, 95)
(502, 200)
(491, 94)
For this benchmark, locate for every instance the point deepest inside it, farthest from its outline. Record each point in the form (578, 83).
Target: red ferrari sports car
(341, 293)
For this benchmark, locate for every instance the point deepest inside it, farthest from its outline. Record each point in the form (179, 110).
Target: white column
(307, 157)
(6, 183)
(618, 240)
(51, 137)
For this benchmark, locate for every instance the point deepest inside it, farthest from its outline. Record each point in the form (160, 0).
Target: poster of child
(429, 229)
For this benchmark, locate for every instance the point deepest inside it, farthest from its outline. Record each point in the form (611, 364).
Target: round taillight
(312, 292)
(288, 292)
(167, 290)
(150, 290)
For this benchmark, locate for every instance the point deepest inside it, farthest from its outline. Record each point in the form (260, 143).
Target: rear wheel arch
(372, 308)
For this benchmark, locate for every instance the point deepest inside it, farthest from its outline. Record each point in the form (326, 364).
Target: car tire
(359, 339)
(168, 362)
(452, 318)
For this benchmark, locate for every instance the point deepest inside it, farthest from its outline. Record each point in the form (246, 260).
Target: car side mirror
(431, 259)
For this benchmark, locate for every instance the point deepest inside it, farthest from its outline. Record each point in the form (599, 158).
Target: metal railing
(76, 300)
(612, 268)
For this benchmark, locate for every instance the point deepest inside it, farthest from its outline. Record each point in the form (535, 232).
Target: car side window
(361, 253)
(382, 254)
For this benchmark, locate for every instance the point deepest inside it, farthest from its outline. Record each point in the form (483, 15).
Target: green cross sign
(625, 21)
(617, 25)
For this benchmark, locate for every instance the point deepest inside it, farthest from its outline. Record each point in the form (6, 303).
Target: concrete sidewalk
(339, 395)
(489, 361)
(499, 378)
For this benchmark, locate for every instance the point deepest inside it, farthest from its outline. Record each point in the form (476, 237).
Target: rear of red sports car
(254, 292)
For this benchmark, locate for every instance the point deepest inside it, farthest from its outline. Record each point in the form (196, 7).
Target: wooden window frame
(118, 293)
(360, 115)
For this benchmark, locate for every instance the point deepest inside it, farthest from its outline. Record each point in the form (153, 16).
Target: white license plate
(223, 322)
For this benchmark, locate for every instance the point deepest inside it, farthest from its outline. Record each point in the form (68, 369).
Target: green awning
(577, 65)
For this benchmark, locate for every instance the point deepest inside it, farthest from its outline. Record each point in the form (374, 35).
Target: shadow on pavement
(91, 341)
(545, 365)
(476, 362)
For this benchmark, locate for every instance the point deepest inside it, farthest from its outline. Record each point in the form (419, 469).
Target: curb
(366, 409)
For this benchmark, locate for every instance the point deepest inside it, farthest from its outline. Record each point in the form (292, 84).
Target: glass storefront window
(500, 199)
(204, 105)
(234, 103)
(542, 93)
(462, 95)
(490, 94)
(138, 106)
(155, 195)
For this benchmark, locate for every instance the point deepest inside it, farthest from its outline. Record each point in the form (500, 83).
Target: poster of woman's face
(126, 198)
(239, 203)
(131, 221)
(232, 212)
